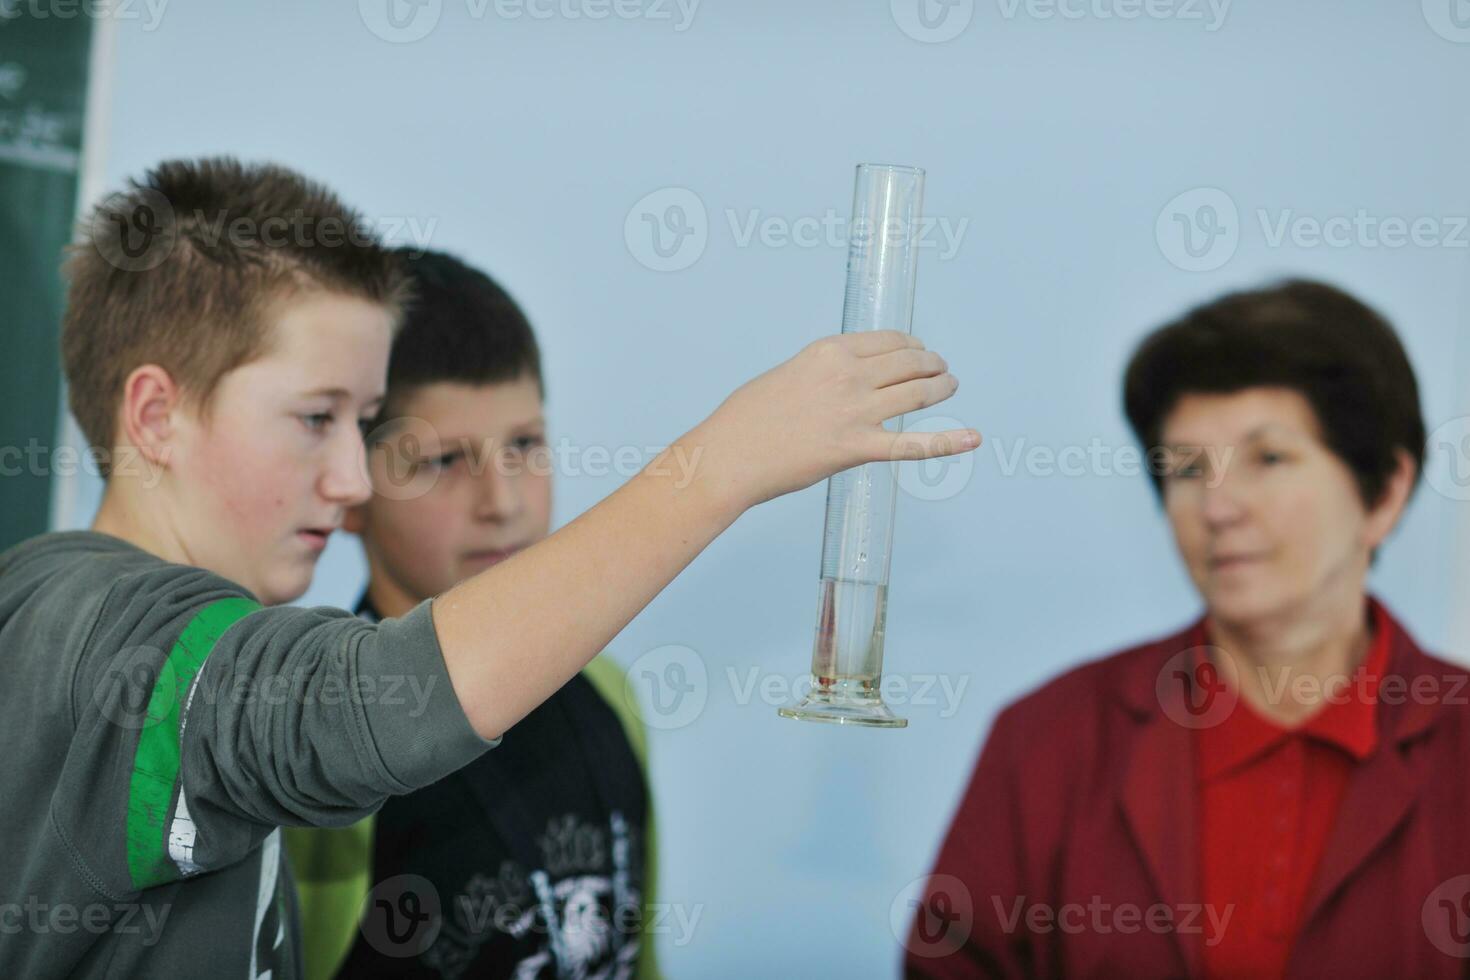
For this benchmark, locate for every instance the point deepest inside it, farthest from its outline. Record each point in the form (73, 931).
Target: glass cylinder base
(837, 707)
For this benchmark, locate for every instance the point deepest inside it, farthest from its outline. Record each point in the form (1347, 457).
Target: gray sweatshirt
(159, 727)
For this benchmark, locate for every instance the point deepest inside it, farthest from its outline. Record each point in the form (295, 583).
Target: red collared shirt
(1268, 798)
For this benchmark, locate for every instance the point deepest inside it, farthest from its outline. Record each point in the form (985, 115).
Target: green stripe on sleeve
(156, 764)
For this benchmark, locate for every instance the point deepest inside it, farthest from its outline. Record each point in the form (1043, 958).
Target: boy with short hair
(166, 716)
(536, 852)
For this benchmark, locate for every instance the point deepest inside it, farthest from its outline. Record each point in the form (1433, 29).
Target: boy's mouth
(314, 537)
(484, 558)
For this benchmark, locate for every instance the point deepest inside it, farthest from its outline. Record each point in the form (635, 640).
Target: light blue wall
(526, 142)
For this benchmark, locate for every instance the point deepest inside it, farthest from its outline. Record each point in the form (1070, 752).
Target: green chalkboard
(43, 86)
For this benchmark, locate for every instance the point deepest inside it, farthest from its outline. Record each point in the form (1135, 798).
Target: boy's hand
(822, 412)
(517, 631)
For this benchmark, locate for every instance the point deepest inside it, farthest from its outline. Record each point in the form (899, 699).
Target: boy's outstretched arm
(540, 616)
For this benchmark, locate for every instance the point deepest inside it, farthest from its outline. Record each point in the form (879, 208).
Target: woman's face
(1266, 517)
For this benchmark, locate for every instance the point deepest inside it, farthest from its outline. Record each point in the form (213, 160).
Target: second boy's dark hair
(459, 325)
(1340, 354)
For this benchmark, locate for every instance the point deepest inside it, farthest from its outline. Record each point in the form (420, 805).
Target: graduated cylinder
(847, 653)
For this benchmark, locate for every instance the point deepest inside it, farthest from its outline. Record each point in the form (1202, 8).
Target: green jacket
(333, 866)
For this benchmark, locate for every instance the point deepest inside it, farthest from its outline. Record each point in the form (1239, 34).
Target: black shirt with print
(534, 853)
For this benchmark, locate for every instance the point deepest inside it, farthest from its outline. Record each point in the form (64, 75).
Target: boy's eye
(527, 443)
(443, 462)
(1270, 458)
(317, 421)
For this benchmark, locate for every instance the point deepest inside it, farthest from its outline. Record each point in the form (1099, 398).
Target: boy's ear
(355, 520)
(148, 417)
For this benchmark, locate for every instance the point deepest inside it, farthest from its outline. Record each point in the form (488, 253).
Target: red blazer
(1082, 817)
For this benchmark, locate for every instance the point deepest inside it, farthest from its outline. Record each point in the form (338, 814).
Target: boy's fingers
(899, 366)
(871, 343)
(910, 396)
(930, 445)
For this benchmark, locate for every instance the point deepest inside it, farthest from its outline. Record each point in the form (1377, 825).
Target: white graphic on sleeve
(182, 832)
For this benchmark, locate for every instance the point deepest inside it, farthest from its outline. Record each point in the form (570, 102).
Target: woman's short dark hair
(459, 325)
(1341, 355)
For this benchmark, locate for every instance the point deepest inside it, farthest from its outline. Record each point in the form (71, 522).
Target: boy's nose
(345, 480)
(497, 494)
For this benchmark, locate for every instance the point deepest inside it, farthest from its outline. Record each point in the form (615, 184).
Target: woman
(1278, 790)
